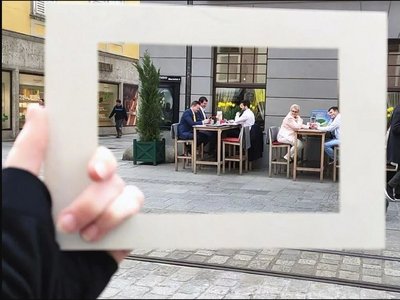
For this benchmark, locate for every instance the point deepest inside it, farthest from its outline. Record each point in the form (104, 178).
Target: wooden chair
(242, 144)
(335, 162)
(185, 156)
(275, 151)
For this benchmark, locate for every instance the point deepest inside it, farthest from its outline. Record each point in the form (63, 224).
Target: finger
(103, 164)
(30, 147)
(89, 205)
(127, 204)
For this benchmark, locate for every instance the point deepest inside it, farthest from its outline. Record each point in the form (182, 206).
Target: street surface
(168, 191)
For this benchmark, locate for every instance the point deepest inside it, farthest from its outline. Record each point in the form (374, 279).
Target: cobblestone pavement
(169, 191)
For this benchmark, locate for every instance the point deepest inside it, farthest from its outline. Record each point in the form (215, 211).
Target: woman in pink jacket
(287, 133)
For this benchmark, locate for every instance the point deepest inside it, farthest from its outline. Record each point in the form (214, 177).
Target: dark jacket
(393, 144)
(185, 127)
(33, 265)
(120, 113)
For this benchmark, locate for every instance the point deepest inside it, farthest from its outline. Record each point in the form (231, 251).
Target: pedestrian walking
(120, 115)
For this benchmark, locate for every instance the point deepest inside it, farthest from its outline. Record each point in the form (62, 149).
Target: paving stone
(351, 260)
(285, 262)
(248, 252)
(158, 254)
(150, 280)
(392, 272)
(204, 252)
(325, 273)
(373, 279)
(327, 267)
(179, 254)
(307, 262)
(393, 280)
(259, 264)
(270, 251)
(242, 257)
(303, 269)
(218, 259)
(372, 272)
(237, 263)
(165, 270)
(225, 252)
(218, 290)
(350, 268)
(349, 275)
(329, 261)
(197, 258)
(309, 255)
(140, 251)
(331, 256)
(109, 292)
(184, 296)
(281, 268)
(226, 282)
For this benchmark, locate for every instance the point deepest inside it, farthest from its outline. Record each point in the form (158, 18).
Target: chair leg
(246, 161)
(176, 155)
(229, 154)
(240, 160)
(288, 165)
(223, 157)
(270, 162)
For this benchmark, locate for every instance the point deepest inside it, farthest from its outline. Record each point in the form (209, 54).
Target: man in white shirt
(246, 116)
(334, 128)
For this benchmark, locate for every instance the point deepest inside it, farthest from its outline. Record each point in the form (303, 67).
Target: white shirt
(333, 126)
(246, 119)
(203, 112)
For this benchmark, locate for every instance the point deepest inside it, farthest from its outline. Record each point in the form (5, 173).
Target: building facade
(23, 78)
(271, 78)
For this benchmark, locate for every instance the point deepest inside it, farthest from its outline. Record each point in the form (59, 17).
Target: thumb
(30, 147)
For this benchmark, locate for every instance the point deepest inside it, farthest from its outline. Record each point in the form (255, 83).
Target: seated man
(188, 119)
(245, 118)
(211, 136)
(334, 128)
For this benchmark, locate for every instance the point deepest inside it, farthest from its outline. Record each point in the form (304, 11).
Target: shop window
(228, 101)
(108, 94)
(6, 100)
(240, 73)
(31, 90)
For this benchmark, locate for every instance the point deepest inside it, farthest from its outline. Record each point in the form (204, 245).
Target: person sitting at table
(334, 128)
(211, 136)
(188, 120)
(287, 132)
(245, 118)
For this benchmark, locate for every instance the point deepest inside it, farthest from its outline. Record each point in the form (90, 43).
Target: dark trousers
(201, 137)
(118, 126)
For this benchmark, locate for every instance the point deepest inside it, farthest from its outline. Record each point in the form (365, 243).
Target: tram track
(353, 254)
(288, 275)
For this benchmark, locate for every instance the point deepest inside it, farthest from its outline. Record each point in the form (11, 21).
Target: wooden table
(216, 128)
(310, 132)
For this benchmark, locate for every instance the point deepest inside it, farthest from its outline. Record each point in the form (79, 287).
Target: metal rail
(330, 280)
(354, 254)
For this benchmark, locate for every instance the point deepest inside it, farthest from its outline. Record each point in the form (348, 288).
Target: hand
(102, 206)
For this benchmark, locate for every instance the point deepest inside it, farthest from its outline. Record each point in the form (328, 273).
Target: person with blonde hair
(287, 133)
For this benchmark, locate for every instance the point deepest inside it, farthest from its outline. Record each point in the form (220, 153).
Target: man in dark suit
(188, 120)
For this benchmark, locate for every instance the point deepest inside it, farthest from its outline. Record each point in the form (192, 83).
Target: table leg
(194, 153)
(219, 152)
(295, 158)
(321, 174)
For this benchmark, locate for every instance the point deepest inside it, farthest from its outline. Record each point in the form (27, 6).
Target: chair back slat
(174, 131)
(273, 134)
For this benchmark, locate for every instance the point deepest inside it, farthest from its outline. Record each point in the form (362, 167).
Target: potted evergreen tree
(149, 147)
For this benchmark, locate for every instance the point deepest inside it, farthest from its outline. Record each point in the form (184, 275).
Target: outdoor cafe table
(216, 128)
(310, 132)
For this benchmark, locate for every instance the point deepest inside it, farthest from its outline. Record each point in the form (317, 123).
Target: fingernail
(90, 233)
(101, 169)
(67, 223)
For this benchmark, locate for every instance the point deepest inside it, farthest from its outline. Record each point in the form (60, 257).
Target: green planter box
(149, 152)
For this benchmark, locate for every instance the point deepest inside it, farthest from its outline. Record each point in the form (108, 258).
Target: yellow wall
(16, 17)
